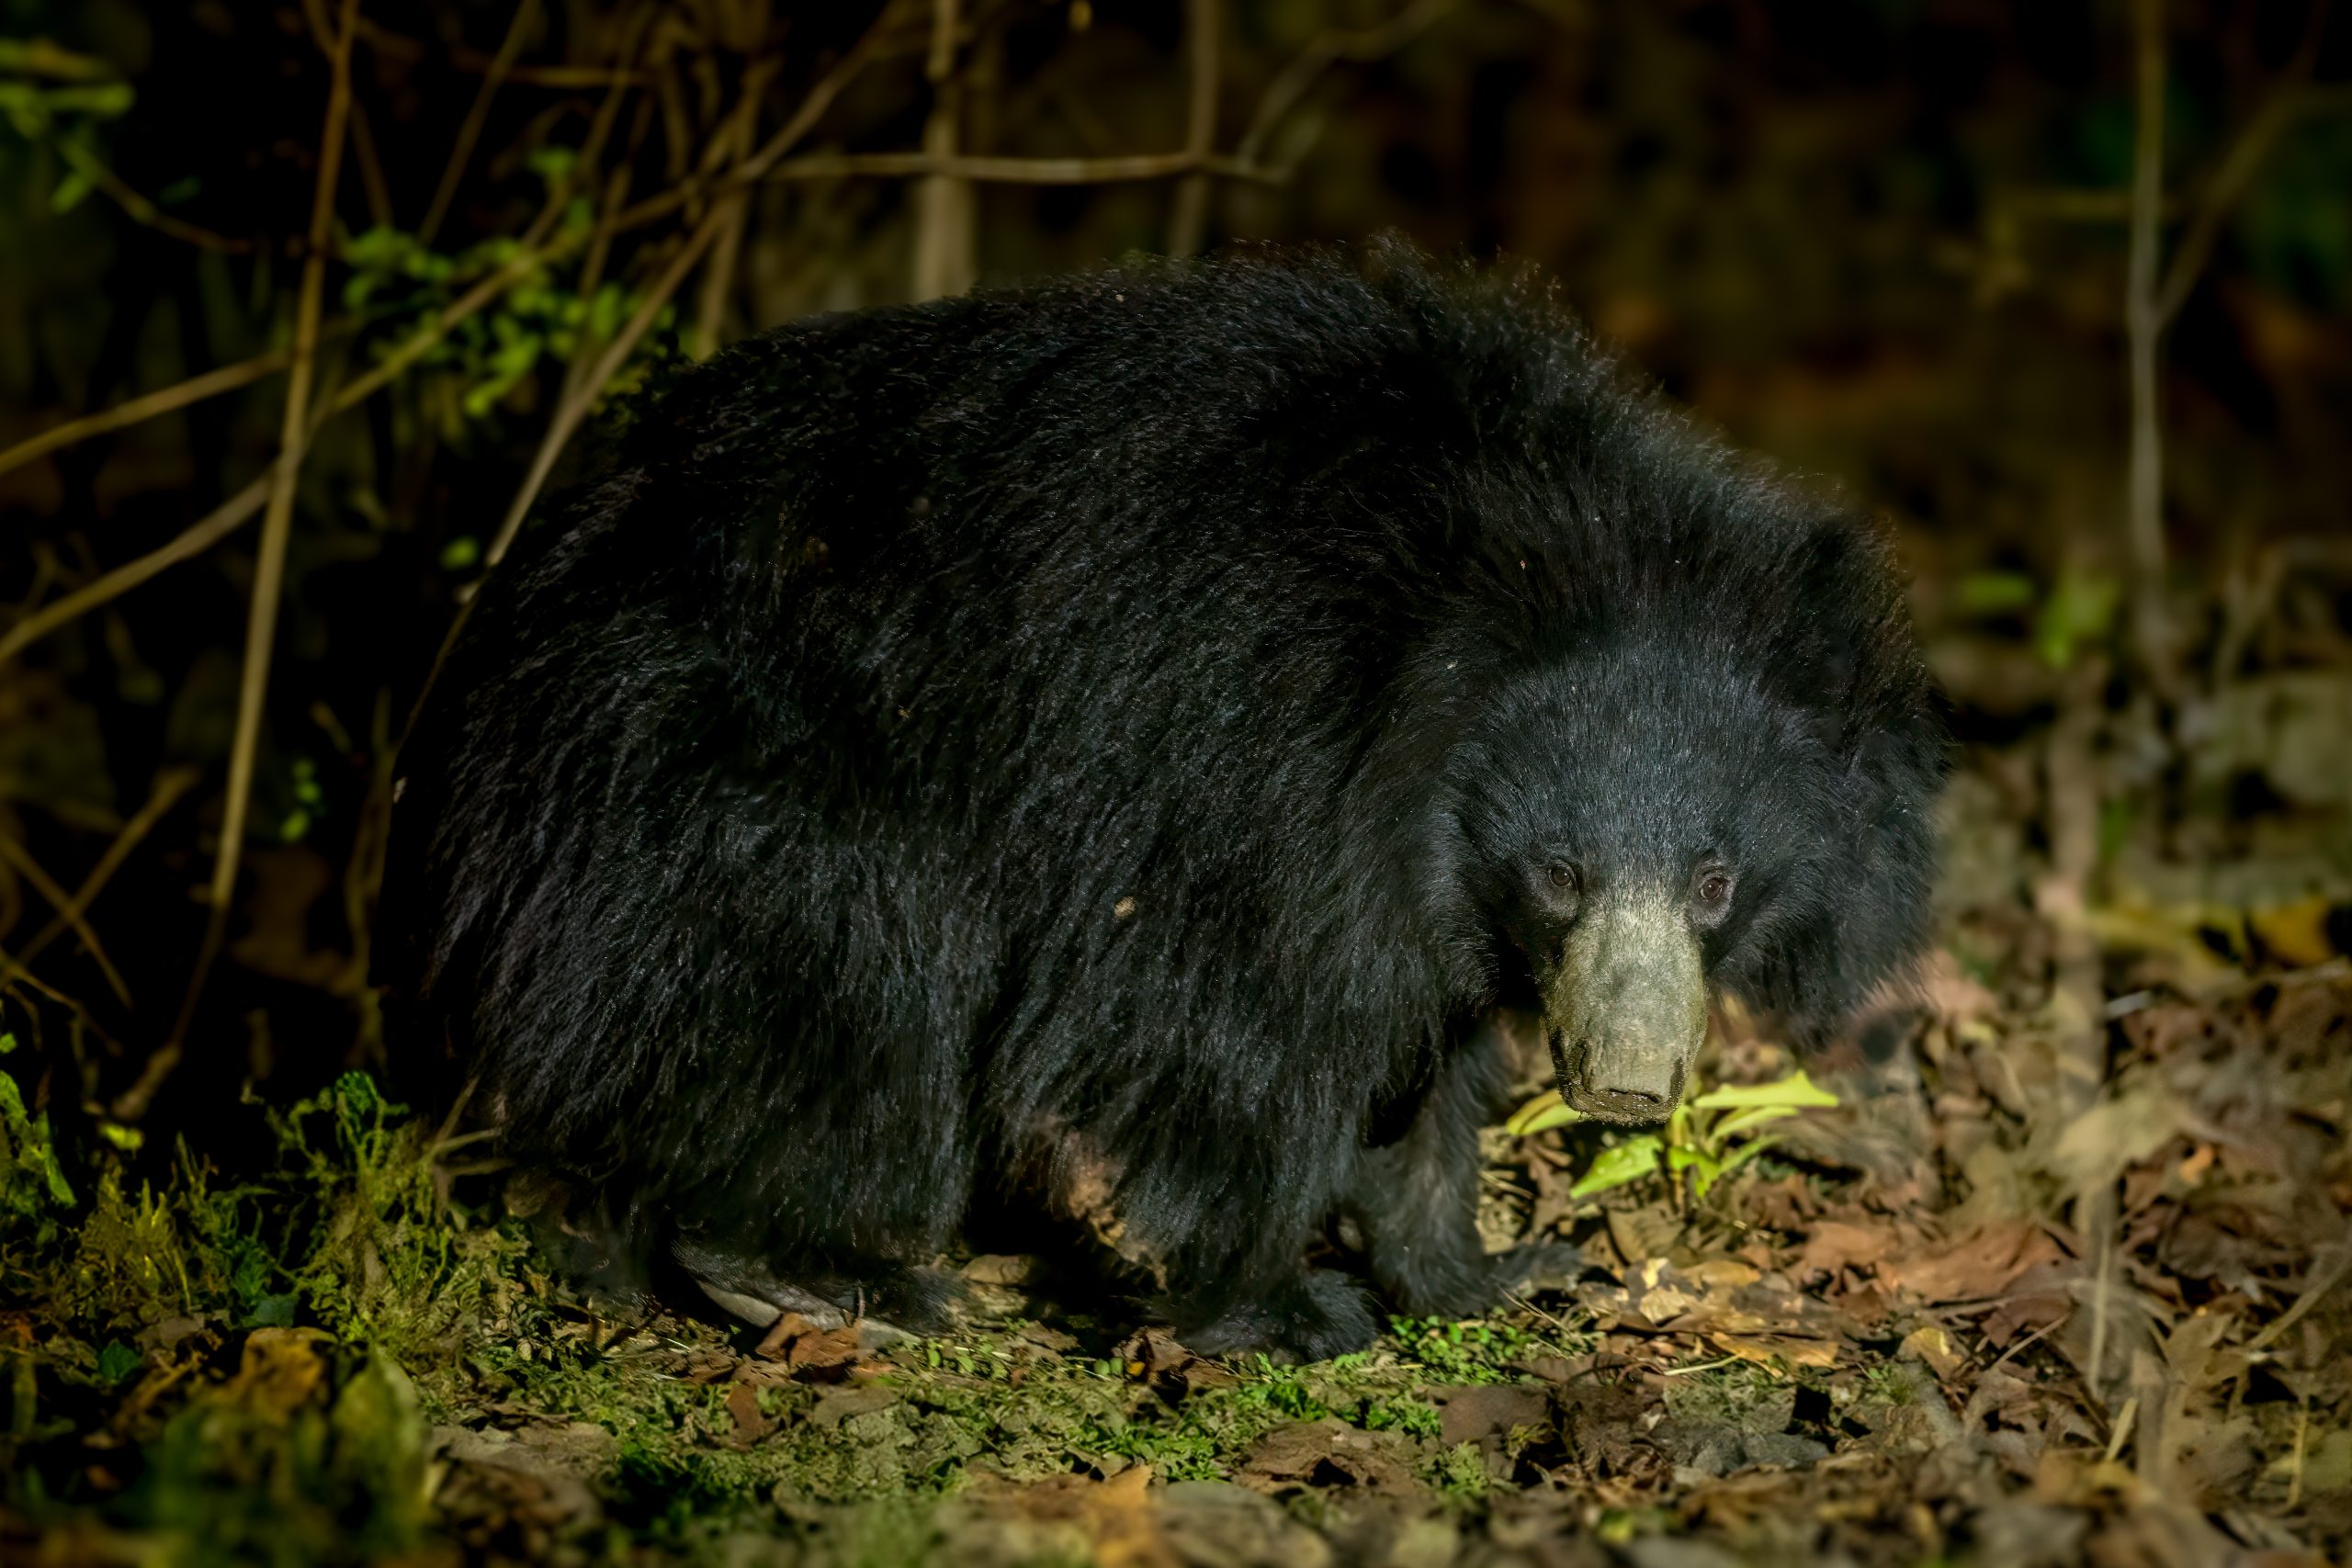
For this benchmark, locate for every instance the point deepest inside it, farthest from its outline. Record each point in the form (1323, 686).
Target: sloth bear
(1135, 731)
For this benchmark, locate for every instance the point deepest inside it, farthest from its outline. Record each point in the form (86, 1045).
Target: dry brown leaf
(1932, 1344)
(751, 1422)
(1833, 1246)
(810, 1353)
(1980, 1265)
(1492, 1410)
(1766, 1348)
(1327, 1453)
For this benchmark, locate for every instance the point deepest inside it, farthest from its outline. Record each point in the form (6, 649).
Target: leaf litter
(1925, 1304)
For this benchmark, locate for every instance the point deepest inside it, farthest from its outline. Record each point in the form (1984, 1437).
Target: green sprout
(1710, 1136)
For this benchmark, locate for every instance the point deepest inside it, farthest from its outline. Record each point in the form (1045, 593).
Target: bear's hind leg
(1312, 1316)
(917, 1298)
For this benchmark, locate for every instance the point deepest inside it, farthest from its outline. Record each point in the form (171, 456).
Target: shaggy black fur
(1116, 725)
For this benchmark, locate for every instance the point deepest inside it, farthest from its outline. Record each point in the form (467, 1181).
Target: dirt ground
(2056, 1279)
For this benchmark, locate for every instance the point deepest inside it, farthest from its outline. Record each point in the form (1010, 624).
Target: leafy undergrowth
(1967, 1315)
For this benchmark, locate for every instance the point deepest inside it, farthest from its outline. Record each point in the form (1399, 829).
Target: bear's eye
(1712, 889)
(1563, 876)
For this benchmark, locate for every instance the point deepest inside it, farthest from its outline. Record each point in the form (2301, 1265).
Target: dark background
(1888, 241)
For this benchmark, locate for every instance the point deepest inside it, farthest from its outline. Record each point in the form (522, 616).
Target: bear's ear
(1848, 657)
(1843, 650)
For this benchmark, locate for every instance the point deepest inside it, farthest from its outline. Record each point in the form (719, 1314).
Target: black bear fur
(1109, 723)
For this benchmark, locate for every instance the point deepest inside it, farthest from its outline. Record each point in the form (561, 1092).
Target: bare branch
(241, 508)
(462, 151)
(170, 785)
(1189, 224)
(269, 576)
(2285, 100)
(2144, 327)
(93, 168)
(1325, 49)
(608, 365)
(68, 912)
(1018, 171)
(214, 526)
(945, 205)
(195, 389)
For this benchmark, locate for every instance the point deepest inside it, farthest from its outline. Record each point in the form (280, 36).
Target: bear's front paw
(1468, 1284)
(1312, 1318)
(1536, 1266)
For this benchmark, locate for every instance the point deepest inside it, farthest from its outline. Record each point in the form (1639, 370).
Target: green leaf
(70, 193)
(1546, 1110)
(1746, 1121)
(1737, 1157)
(117, 1361)
(1796, 1091)
(26, 1154)
(1629, 1161)
(2080, 610)
(1994, 593)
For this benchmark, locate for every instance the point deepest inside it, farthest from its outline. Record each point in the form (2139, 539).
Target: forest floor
(2059, 1278)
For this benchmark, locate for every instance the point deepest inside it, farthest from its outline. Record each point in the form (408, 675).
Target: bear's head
(1642, 819)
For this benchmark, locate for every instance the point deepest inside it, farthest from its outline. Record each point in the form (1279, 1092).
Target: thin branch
(1324, 50)
(198, 536)
(608, 365)
(373, 188)
(2143, 328)
(462, 150)
(2285, 101)
(1016, 170)
(170, 785)
(93, 168)
(575, 407)
(67, 911)
(943, 200)
(735, 210)
(241, 508)
(804, 120)
(1189, 224)
(591, 268)
(269, 576)
(195, 389)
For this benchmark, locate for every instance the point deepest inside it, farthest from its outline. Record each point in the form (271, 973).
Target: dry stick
(170, 785)
(2313, 1293)
(94, 169)
(575, 407)
(195, 389)
(538, 250)
(591, 269)
(269, 576)
(2284, 100)
(461, 153)
(1325, 49)
(735, 208)
(756, 167)
(608, 365)
(373, 188)
(1188, 226)
(214, 526)
(2142, 327)
(241, 508)
(1011, 170)
(568, 415)
(944, 202)
(62, 902)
